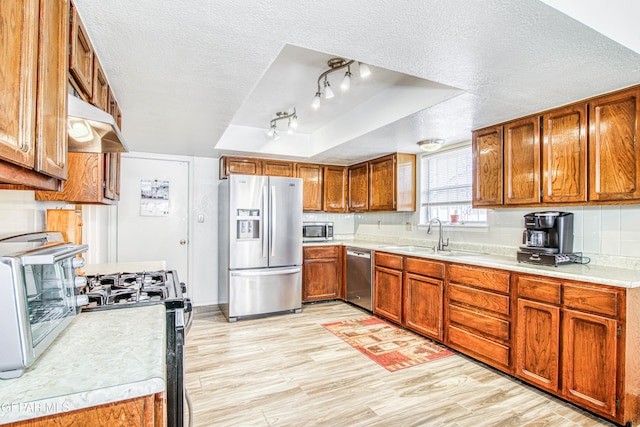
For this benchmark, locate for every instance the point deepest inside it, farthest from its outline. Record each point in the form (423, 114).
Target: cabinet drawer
(601, 301)
(389, 260)
(538, 289)
(479, 277)
(478, 298)
(497, 328)
(425, 267)
(490, 350)
(314, 252)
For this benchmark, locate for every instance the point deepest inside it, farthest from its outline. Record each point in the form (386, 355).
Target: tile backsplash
(601, 232)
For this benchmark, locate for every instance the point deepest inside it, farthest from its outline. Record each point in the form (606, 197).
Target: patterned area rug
(386, 344)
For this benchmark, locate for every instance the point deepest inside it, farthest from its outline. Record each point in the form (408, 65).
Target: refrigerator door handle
(274, 220)
(265, 240)
(266, 272)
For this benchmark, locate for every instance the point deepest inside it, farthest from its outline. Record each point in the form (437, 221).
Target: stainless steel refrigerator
(259, 245)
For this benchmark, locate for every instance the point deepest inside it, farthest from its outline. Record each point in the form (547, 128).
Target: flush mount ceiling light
(430, 145)
(281, 115)
(336, 64)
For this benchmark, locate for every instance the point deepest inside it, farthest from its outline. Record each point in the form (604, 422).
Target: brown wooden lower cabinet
(321, 273)
(387, 286)
(572, 340)
(145, 411)
(538, 348)
(424, 297)
(479, 317)
(590, 361)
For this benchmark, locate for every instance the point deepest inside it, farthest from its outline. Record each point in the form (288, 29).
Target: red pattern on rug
(389, 346)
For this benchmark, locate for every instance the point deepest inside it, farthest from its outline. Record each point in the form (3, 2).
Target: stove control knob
(81, 300)
(80, 281)
(77, 262)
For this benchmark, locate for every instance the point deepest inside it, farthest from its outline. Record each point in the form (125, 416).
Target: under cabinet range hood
(92, 130)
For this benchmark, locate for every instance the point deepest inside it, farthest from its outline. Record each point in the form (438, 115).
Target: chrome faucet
(441, 244)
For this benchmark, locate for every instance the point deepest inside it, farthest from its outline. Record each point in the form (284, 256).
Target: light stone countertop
(605, 275)
(101, 357)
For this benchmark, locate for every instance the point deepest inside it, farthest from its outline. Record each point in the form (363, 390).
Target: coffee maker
(547, 239)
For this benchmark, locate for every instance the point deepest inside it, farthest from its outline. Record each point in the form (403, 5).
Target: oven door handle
(188, 308)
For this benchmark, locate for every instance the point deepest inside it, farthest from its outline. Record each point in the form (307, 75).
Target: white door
(146, 230)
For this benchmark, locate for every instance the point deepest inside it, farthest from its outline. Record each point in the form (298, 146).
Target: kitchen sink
(408, 248)
(461, 253)
(455, 253)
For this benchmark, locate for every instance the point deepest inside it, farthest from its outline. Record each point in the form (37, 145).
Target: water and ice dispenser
(248, 224)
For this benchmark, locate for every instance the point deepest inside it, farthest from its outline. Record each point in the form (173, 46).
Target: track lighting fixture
(281, 115)
(336, 64)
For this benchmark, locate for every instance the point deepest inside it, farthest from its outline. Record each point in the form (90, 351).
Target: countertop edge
(91, 398)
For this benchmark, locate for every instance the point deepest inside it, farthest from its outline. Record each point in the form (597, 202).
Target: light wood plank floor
(287, 370)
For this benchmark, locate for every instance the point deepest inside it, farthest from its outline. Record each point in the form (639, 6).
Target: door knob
(183, 242)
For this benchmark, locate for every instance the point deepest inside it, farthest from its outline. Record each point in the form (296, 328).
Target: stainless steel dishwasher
(359, 274)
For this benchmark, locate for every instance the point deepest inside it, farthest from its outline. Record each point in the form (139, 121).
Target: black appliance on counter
(126, 290)
(548, 239)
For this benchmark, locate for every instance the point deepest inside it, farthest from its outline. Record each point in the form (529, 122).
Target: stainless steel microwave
(38, 300)
(317, 231)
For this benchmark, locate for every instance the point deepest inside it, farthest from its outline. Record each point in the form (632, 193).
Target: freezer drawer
(265, 290)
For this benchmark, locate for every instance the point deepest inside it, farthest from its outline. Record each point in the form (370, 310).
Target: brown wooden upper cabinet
(588, 145)
(312, 185)
(239, 165)
(335, 189)
(383, 184)
(94, 178)
(487, 166)
(33, 65)
(359, 187)
(564, 154)
(522, 161)
(100, 91)
(277, 168)
(114, 108)
(614, 153)
(81, 55)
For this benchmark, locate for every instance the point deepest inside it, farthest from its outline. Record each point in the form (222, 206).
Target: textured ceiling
(183, 72)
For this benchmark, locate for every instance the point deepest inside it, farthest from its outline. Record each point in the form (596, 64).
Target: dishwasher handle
(351, 252)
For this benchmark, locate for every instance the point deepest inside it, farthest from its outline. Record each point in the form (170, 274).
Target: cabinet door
(18, 68)
(423, 305)
(590, 359)
(387, 290)
(564, 155)
(359, 187)
(538, 344)
(114, 108)
(276, 168)
(312, 183)
(382, 183)
(335, 189)
(112, 176)
(52, 89)
(239, 165)
(320, 279)
(487, 167)
(614, 151)
(100, 96)
(81, 55)
(522, 161)
(86, 182)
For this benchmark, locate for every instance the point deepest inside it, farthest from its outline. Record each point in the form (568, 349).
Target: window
(446, 188)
